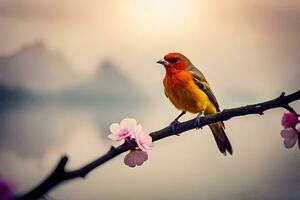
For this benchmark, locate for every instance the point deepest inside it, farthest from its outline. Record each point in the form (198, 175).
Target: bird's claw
(198, 121)
(175, 127)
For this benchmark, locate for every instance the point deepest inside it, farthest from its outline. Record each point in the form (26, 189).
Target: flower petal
(129, 159)
(289, 133)
(289, 120)
(129, 123)
(114, 128)
(139, 159)
(289, 143)
(143, 155)
(119, 133)
(112, 136)
(135, 158)
(143, 139)
(6, 190)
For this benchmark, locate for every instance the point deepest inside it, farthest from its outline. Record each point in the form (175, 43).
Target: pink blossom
(290, 136)
(125, 129)
(6, 190)
(129, 130)
(135, 158)
(143, 139)
(289, 120)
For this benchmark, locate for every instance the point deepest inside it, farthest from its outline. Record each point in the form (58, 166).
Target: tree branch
(61, 174)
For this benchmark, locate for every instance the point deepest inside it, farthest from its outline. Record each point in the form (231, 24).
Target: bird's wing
(201, 82)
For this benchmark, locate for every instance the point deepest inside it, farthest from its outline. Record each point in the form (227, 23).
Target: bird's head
(175, 62)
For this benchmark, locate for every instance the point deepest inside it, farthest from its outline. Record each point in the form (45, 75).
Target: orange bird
(188, 90)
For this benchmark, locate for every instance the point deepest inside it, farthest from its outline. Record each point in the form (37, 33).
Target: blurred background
(68, 69)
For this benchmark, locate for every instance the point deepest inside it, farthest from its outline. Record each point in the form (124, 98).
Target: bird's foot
(175, 127)
(198, 121)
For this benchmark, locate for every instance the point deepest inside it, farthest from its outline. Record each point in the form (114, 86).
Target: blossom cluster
(289, 133)
(127, 130)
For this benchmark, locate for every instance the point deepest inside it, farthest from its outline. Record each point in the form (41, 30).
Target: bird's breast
(184, 93)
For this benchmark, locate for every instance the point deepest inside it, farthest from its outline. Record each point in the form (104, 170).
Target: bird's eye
(174, 60)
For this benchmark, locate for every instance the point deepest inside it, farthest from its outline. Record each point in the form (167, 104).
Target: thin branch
(60, 174)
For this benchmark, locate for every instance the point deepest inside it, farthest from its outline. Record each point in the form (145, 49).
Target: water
(34, 136)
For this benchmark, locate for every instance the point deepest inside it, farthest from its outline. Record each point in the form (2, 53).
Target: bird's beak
(163, 62)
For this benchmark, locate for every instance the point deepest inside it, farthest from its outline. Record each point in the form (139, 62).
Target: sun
(159, 14)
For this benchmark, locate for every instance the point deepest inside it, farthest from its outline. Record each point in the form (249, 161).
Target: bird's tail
(221, 137)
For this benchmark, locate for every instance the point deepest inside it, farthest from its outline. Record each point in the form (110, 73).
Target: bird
(188, 90)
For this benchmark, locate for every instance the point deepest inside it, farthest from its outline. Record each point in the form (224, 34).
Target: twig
(60, 174)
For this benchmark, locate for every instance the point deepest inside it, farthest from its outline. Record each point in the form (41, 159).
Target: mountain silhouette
(36, 68)
(36, 73)
(108, 83)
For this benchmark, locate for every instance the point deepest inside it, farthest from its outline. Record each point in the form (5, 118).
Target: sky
(248, 51)
(137, 33)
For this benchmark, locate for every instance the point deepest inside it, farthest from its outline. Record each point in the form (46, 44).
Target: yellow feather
(185, 94)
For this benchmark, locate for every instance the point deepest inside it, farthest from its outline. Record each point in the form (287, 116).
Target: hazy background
(70, 68)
